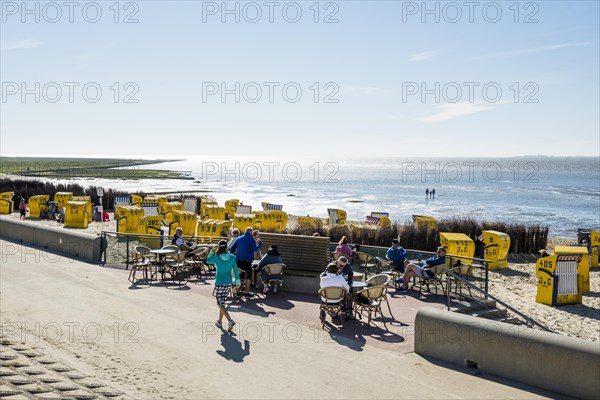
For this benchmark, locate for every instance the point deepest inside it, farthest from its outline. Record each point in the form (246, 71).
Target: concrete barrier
(561, 364)
(62, 241)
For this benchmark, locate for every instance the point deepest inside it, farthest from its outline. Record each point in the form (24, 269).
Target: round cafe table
(161, 256)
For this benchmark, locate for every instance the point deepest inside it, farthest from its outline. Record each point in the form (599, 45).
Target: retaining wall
(63, 241)
(550, 361)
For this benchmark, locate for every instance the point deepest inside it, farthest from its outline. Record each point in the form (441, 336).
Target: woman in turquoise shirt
(224, 263)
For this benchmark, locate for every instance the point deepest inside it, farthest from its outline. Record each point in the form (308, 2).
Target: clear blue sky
(377, 58)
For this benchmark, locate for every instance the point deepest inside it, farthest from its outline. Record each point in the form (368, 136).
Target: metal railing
(479, 267)
(117, 247)
(529, 321)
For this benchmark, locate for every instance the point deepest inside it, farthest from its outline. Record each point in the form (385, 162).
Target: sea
(562, 192)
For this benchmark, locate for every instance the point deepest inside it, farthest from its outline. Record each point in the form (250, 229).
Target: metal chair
(437, 280)
(275, 276)
(196, 259)
(464, 271)
(369, 300)
(364, 262)
(178, 268)
(142, 261)
(382, 280)
(384, 267)
(332, 302)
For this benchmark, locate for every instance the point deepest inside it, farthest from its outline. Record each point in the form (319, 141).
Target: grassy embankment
(96, 168)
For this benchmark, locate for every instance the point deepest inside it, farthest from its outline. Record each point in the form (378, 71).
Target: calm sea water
(561, 192)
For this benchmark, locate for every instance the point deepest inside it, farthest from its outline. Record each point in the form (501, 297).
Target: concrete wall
(562, 364)
(63, 241)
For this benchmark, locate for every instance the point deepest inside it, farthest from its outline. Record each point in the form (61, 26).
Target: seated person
(422, 271)
(344, 269)
(333, 279)
(61, 215)
(343, 248)
(396, 254)
(178, 241)
(272, 257)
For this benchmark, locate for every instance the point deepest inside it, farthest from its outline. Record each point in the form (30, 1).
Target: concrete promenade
(160, 341)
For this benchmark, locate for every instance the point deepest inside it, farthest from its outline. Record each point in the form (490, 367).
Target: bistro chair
(369, 300)
(142, 262)
(332, 302)
(381, 280)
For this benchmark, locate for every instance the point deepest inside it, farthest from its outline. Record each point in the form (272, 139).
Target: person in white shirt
(333, 279)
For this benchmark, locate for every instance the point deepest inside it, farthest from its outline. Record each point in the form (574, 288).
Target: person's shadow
(233, 348)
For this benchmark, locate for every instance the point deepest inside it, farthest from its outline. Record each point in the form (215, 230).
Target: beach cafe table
(161, 260)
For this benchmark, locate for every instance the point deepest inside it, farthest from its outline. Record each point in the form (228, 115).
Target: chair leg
(389, 309)
(382, 317)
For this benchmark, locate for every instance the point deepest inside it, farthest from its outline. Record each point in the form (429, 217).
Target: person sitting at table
(343, 247)
(272, 257)
(332, 278)
(422, 271)
(397, 255)
(225, 265)
(344, 269)
(244, 248)
(179, 242)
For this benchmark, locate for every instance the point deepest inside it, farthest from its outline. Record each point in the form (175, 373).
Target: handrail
(520, 314)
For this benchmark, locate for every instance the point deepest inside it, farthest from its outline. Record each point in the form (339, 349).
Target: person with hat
(396, 254)
(272, 257)
(225, 265)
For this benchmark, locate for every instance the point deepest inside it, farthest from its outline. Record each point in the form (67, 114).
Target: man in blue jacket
(244, 248)
(397, 255)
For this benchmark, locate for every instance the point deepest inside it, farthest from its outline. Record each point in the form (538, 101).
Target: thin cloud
(22, 44)
(422, 56)
(456, 110)
(531, 50)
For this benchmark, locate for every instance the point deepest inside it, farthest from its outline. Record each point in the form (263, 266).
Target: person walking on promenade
(225, 264)
(427, 192)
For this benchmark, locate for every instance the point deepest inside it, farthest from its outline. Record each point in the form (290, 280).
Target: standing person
(225, 264)
(22, 209)
(235, 233)
(396, 254)
(432, 192)
(244, 248)
(427, 192)
(343, 247)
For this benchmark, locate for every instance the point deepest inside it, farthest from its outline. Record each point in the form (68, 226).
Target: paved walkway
(161, 342)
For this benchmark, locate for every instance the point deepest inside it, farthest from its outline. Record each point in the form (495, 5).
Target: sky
(344, 78)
